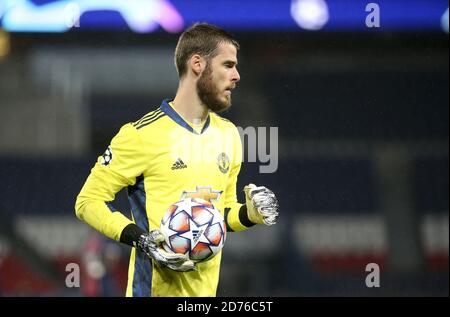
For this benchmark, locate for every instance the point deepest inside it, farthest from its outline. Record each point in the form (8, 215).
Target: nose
(236, 76)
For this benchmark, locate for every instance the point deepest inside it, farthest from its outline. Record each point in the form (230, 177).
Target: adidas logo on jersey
(179, 164)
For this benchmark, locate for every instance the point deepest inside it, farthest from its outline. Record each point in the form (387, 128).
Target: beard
(209, 94)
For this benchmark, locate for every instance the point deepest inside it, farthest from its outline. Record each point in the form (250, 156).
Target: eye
(229, 64)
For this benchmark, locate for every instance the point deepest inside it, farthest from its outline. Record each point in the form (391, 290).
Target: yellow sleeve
(123, 161)
(232, 206)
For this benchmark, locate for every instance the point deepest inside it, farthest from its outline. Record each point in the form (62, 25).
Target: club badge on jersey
(223, 162)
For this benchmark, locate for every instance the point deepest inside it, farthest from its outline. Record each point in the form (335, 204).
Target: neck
(188, 104)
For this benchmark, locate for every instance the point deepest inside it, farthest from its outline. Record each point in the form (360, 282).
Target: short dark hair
(202, 39)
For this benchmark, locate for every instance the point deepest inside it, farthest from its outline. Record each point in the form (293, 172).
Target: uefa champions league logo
(107, 157)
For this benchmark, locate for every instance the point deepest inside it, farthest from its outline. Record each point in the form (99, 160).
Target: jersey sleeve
(122, 163)
(232, 206)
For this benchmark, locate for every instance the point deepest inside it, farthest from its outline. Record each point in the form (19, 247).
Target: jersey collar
(168, 110)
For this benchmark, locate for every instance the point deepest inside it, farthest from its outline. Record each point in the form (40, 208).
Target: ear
(197, 64)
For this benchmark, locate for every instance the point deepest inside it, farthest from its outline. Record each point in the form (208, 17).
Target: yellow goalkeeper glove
(262, 205)
(150, 243)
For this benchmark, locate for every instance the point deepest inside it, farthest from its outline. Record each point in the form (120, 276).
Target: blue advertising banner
(145, 16)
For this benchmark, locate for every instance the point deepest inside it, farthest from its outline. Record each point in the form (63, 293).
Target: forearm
(99, 216)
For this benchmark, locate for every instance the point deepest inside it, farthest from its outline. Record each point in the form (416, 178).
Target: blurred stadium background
(362, 114)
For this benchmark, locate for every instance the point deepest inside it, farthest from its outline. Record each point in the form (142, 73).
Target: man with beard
(182, 149)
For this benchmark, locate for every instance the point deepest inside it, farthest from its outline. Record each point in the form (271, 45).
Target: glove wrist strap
(130, 234)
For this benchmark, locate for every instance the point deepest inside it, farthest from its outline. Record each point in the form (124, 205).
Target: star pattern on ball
(196, 233)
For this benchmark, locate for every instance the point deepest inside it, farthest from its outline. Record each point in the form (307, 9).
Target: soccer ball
(194, 227)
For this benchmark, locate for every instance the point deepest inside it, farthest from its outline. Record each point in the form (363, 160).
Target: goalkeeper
(181, 149)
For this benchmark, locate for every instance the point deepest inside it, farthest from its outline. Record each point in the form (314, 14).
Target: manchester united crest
(223, 162)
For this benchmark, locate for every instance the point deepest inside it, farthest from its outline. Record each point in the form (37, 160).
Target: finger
(184, 267)
(188, 266)
(267, 211)
(157, 236)
(261, 194)
(260, 191)
(267, 203)
(270, 221)
(172, 257)
(248, 189)
(158, 257)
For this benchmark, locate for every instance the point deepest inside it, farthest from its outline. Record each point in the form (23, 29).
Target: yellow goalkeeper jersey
(161, 159)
